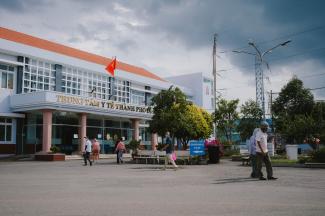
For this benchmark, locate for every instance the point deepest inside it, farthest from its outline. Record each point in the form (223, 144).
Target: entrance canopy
(59, 101)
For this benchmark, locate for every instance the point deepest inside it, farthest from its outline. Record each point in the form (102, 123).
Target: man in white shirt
(252, 152)
(262, 153)
(87, 151)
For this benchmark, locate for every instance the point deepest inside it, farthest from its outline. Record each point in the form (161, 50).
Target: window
(5, 130)
(6, 76)
(79, 82)
(122, 90)
(4, 80)
(38, 75)
(138, 97)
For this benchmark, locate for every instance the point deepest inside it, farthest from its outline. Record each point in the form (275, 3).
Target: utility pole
(214, 72)
(259, 79)
(259, 75)
(271, 111)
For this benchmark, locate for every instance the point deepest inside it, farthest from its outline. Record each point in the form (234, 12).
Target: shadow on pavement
(156, 168)
(234, 180)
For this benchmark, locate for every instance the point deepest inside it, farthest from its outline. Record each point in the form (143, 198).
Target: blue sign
(197, 147)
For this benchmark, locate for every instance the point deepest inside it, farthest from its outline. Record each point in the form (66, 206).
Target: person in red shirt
(120, 149)
(95, 150)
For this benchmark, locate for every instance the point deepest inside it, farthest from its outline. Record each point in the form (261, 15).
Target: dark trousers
(119, 156)
(254, 165)
(87, 157)
(266, 160)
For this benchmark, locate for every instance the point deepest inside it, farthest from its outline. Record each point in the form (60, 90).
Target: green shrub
(133, 144)
(276, 157)
(318, 156)
(160, 146)
(55, 149)
(304, 159)
(230, 152)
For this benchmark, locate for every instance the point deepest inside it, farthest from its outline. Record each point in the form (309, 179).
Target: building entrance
(108, 131)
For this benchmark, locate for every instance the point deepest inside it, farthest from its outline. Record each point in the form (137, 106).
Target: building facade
(199, 87)
(51, 94)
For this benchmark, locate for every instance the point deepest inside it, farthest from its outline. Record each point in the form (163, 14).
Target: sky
(174, 37)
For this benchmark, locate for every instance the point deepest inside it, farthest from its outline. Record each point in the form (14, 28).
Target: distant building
(200, 86)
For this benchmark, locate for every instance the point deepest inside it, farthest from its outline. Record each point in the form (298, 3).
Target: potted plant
(55, 149)
(134, 145)
(53, 155)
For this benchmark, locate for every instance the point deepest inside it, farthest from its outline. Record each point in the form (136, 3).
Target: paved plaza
(33, 188)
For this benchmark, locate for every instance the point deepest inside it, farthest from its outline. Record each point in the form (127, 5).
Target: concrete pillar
(82, 130)
(58, 78)
(135, 126)
(154, 141)
(20, 74)
(47, 130)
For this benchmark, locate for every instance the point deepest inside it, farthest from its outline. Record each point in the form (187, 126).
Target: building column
(154, 141)
(47, 130)
(58, 78)
(135, 127)
(82, 130)
(20, 74)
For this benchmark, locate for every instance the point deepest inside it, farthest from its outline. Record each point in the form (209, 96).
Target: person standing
(95, 150)
(116, 143)
(262, 153)
(87, 151)
(252, 152)
(169, 148)
(120, 149)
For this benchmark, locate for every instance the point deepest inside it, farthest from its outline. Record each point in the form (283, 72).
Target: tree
(226, 116)
(194, 124)
(166, 113)
(251, 117)
(318, 115)
(181, 118)
(293, 99)
(292, 111)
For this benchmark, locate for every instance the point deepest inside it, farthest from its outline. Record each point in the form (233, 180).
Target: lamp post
(259, 75)
(214, 72)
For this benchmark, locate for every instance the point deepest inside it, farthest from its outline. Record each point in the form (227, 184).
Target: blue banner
(197, 147)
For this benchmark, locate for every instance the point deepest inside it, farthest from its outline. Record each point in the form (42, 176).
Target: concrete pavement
(32, 188)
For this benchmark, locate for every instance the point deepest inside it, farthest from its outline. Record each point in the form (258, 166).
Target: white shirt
(88, 146)
(262, 138)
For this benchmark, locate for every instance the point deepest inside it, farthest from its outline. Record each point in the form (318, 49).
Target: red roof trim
(29, 40)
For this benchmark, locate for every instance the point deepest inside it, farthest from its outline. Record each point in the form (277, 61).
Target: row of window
(5, 130)
(39, 75)
(6, 76)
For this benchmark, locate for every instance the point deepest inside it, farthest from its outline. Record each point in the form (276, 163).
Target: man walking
(252, 152)
(169, 148)
(87, 152)
(262, 153)
(120, 149)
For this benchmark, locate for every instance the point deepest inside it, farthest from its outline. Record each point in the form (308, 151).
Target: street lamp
(259, 75)
(214, 72)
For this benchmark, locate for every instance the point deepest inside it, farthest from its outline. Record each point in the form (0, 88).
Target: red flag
(111, 67)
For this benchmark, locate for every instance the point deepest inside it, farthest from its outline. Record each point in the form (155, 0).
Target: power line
(312, 89)
(278, 38)
(311, 75)
(280, 58)
(297, 54)
(286, 80)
